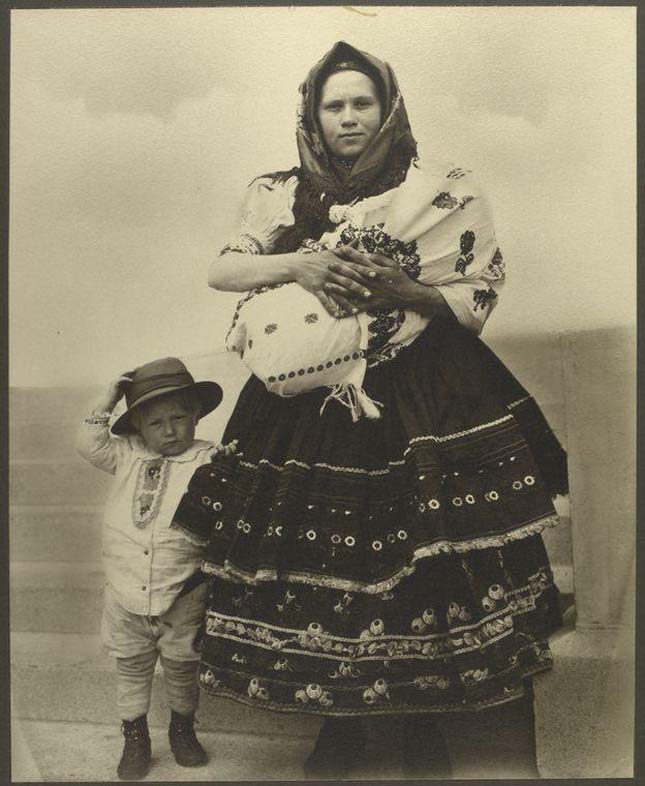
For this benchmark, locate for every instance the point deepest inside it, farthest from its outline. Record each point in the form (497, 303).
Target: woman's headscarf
(323, 182)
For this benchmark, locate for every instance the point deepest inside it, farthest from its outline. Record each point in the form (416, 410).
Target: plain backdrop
(135, 131)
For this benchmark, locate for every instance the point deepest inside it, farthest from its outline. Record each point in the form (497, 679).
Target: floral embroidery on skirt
(383, 566)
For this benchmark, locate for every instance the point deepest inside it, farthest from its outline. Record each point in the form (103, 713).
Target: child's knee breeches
(175, 633)
(134, 684)
(136, 641)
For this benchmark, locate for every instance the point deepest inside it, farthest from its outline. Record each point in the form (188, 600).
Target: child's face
(167, 427)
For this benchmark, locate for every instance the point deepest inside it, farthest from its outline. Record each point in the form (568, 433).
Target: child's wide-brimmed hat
(161, 378)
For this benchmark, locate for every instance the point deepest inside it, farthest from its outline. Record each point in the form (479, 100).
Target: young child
(155, 594)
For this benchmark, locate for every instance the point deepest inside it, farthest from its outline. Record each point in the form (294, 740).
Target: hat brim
(210, 396)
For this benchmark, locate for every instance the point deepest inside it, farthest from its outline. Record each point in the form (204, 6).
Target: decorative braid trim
(314, 709)
(282, 645)
(153, 491)
(97, 420)
(245, 244)
(323, 465)
(386, 353)
(423, 637)
(397, 463)
(457, 434)
(188, 534)
(518, 402)
(283, 648)
(231, 572)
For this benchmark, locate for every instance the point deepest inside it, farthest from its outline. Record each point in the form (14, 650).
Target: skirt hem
(319, 711)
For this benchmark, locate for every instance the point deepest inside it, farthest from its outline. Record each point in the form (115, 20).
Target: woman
(391, 566)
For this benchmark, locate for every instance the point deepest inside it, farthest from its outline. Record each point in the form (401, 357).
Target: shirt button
(144, 587)
(146, 552)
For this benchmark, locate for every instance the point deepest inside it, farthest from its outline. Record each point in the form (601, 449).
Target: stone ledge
(55, 533)
(584, 707)
(55, 482)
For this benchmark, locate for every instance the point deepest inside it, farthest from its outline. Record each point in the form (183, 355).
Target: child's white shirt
(146, 562)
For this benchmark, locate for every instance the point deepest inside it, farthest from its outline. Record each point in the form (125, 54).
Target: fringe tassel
(355, 399)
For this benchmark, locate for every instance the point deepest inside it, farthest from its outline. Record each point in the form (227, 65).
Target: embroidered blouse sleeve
(102, 449)
(473, 298)
(266, 212)
(477, 270)
(448, 224)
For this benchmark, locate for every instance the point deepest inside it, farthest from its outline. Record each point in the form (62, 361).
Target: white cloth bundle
(436, 225)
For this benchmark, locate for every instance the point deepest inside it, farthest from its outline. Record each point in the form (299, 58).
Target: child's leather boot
(183, 742)
(137, 751)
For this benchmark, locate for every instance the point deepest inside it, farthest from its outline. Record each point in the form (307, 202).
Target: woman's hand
(389, 286)
(337, 291)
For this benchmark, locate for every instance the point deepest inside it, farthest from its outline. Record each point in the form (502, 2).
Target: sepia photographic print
(322, 393)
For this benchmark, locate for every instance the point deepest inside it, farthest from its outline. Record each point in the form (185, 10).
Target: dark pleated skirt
(384, 566)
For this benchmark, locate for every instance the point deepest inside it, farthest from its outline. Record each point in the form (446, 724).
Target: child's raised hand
(114, 393)
(224, 450)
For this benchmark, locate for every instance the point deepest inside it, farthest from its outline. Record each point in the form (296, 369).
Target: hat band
(155, 382)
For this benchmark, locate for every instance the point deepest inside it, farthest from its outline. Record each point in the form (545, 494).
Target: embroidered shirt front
(146, 562)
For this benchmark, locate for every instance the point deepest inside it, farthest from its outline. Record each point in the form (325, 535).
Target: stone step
(57, 483)
(63, 597)
(44, 404)
(71, 533)
(31, 439)
(55, 533)
(584, 707)
(57, 751)
(67, 677)
(67, 597)
(63, 706)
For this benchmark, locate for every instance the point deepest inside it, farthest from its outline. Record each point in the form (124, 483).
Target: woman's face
(349, 113)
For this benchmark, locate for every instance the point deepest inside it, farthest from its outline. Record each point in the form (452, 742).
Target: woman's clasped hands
(348, 281)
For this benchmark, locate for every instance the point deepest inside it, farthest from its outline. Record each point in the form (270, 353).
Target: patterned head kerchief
(394, 132)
